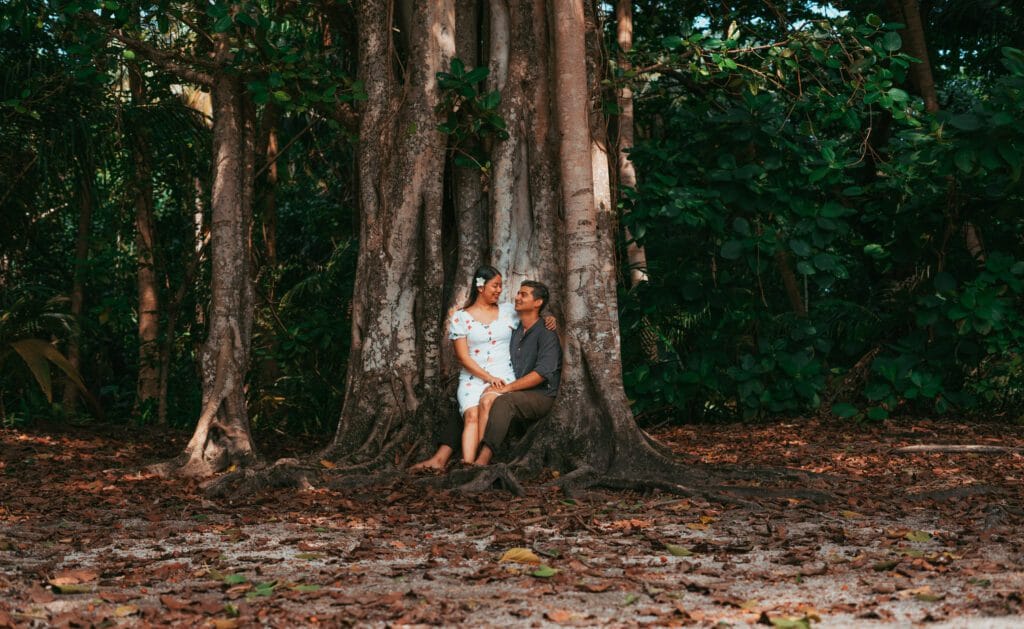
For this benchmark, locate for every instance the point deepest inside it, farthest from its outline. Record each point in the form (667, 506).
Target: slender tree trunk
(148, 389)
(86, 201)
(636, 257)
(222, 437)
(789, 281)
(267, 149)
(915, 44)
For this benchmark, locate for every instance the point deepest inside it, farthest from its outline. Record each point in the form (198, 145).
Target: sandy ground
(930, 538)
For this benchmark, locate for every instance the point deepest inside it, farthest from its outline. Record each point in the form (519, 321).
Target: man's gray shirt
(537, 349)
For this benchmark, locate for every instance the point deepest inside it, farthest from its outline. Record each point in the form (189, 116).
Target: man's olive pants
(516, 410)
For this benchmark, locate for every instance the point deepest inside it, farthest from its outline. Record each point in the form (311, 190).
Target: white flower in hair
(480, 282)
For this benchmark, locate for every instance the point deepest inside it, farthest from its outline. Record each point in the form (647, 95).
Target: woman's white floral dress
(488, 346)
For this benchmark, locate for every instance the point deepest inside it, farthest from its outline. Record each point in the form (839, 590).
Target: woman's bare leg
(486, 401)
(470, 434)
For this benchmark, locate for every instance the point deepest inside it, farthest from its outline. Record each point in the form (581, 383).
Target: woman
(481, 331)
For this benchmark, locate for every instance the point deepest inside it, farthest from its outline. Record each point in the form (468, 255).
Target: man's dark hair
(540, 291)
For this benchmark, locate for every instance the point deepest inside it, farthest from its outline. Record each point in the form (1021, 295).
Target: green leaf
(918, 536)
(964, 159)
(791, 622)
(873, 20)
(128, 54)
(223, 24)
(261, 590)
(944, 282)
(476, 75)
(306, 588)
(966, 122)
(898, 96)
(732, 249)
(678, 551)
(875, 251)
(281, 96)
(235, 579)
(844, 410)
(800, 247)
(892, 41)
(457, 67)
(544, 572)
(877, 413)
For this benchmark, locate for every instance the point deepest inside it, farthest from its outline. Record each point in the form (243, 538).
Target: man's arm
(548, 358)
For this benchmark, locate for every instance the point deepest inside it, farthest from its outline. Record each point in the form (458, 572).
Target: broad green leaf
(944, 282)
(800, 247)
(235, 579)
(877, 413)
(544, 572)
(918, 536)
(892, 41)
(678, 551)
(898, 96)
(875, 251)
(732, 249)
(844, 410)
(964, 159)
(966, 122)
(306, 588)
(791, 622)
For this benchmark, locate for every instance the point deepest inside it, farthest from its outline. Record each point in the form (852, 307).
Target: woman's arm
(462, 353)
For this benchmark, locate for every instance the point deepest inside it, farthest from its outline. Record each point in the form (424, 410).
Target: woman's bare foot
(435, 463)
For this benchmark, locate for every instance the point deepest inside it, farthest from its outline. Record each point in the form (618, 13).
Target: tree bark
(914, 45)
(222, 436)
(87, 201)
(636, 257)
(397, 312)
(148, 387)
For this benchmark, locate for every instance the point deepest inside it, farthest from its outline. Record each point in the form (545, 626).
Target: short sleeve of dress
(457, 326)
(509, 312)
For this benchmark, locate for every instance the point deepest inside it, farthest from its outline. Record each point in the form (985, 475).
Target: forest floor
(88, 540)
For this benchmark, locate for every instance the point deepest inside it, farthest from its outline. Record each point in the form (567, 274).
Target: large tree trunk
(393, 391)
(547, 220)
(86, 201)
(148, 389)
(397, 308)
(222, 437)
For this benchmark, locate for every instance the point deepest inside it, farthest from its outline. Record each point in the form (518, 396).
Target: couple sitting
(511, 365)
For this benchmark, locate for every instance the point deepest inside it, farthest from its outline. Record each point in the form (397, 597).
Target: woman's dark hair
(487, 272)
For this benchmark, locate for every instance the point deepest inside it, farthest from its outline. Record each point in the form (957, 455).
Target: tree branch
(169, 61)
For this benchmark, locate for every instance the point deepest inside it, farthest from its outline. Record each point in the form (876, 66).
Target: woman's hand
(550, 322)
(494, 381)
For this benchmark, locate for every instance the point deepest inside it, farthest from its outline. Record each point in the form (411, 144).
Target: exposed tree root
(285, 473)
(956, 449)
(954, 493)
(476, 480)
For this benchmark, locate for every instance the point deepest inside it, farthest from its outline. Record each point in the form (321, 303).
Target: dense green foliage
(807, 156)
(808, 224)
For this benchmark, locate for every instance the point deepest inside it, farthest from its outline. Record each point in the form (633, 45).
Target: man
(537, 364)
